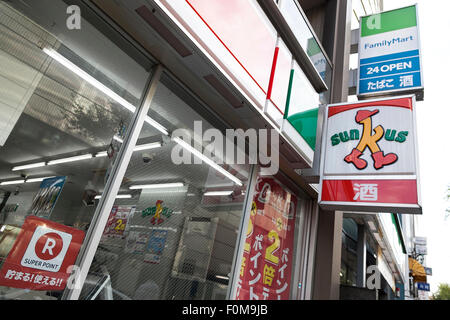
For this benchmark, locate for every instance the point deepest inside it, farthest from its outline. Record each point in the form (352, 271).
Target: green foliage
(90, 121)
(443, 292)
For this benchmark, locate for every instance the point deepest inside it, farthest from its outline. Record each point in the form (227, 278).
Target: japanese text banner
(267, 258)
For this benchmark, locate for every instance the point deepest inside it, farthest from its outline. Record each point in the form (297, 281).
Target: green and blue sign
(389, 53)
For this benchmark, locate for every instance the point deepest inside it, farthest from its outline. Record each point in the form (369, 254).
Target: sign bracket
(312, 175)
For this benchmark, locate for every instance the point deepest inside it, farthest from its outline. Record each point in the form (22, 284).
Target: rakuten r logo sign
(47, 249)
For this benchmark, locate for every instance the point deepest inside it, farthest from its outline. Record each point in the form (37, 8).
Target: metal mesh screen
(177, 243)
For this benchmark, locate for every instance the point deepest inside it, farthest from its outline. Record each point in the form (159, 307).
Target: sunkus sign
(389, 53)
(369, 158)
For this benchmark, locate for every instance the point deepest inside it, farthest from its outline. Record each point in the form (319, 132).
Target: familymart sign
(389, 53)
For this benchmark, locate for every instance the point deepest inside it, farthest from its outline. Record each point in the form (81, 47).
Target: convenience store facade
(95, 109)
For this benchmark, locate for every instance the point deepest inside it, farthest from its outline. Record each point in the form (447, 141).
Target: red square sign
(41, 255)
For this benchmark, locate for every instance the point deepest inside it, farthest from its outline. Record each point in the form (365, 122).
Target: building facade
(382, 240)
(120, 120)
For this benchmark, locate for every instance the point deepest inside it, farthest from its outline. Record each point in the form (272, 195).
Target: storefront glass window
(65, 105)
(348, 252)
(173, 228)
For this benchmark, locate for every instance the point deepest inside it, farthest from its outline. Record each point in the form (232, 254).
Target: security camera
(147, 157)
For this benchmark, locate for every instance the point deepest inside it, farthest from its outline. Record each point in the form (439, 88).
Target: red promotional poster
(117, 221)
(41, 255)
(267, 259)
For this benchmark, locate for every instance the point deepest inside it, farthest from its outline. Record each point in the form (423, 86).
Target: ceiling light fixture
(119, 196)
(87, 77)
(97, 84)
(147, 146)
(198, 154)
(124, 196)
(117, 138)
(101, 154)
(218, 193)
(24, 181)
(29, 166)
(4, 183)
(37, 179)
(156, 125)
(158, 186)
(70, 159)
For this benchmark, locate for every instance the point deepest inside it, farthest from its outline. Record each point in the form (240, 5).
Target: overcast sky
(433, 121)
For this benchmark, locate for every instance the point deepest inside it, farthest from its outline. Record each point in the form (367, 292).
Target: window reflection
(63, 113)
(175, 237)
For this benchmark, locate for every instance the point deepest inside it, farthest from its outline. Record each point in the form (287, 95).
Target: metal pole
(238, 252)
(361, 257)
(112, 187)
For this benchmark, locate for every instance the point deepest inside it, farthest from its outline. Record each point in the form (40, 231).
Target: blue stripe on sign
(390, 67)
(389, 57)
(389, 83)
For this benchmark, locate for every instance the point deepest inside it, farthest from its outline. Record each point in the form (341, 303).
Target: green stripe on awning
(389, 21)
(306, 125)
(398, 228)
(288, 98)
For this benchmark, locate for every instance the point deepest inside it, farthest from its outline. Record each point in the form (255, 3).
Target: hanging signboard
(267, 258)
(421, 249)
(41, 255)
(389, 54)
(423, 295)
(423, 286)
(422, 241)
(369, 159)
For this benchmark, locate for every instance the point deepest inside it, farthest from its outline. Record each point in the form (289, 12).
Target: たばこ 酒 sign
(389, 54)
(369, 157)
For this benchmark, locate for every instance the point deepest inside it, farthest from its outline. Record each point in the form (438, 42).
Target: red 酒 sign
(41, 255)
(267, 259)
(370, 191)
